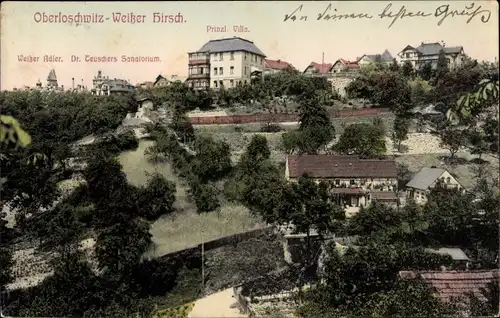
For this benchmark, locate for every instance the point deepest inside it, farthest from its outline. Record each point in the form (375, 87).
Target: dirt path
(216, 305)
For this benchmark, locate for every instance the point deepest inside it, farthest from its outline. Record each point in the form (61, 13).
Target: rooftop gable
(52, 75)
(276, 64)
(231, 45)
(425, 178)
(320, 68)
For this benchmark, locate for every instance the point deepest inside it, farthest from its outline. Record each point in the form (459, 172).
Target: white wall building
(419, 187)
(224, 63)
(428, 53)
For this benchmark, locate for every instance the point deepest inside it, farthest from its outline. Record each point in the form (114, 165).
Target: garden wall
(280, 118)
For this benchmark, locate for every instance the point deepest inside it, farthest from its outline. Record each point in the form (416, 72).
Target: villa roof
(452, 284)
(427, 49)
(334, 166)
(231, 45)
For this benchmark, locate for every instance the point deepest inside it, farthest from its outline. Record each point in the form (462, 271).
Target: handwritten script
(395, 13)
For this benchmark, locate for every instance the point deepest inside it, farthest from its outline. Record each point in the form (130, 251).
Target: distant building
(161, 81)
(342, 66)
(318, 68)
(419, 187)
(106, 86)
(428, 53)
(224, 63)
(355, 182)
(145, 85)
(366, 59)
(275, 66)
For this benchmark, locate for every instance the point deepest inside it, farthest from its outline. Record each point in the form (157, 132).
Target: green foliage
(453, 139)
(383, 88)
(212, 161)
(365, 140)
(156, 198)
(400, 131)
(315, 129)
(11, 133)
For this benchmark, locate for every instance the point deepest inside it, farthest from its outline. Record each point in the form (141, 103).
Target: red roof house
(278, 65)
(344, 65)
(455, 284)
(337, 166)
(318, 68)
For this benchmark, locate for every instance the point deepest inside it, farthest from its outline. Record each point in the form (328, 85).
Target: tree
(426, 72)
(442, 65)
(365, 140)
(394, 66)
(400, 131)
(421, 91)
(478, 143)
(7, 262)
(156, 198)
(120, 247)
(357, 280)
(212, 161)
(407, 69)
(376, 217)
(258, 149)
(452, 139)
(205, 196)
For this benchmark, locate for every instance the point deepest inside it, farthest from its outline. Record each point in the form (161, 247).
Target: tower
(52, 79)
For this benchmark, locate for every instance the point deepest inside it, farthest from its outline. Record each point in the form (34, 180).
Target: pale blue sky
(297, 42)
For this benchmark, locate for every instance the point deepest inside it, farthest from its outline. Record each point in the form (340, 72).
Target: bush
(271, 128)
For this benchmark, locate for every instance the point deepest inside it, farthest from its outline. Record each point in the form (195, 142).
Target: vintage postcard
(249, 159)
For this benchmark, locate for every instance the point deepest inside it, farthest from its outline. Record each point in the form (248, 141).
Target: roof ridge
(234, 37)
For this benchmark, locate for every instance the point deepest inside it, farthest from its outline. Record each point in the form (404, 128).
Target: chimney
(73, 83)
(323, 58)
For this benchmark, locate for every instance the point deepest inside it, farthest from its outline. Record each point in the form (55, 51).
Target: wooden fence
(214, 244)
(281, 117)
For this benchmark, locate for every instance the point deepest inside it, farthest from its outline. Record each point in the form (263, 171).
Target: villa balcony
(199, 76)
(199, 60)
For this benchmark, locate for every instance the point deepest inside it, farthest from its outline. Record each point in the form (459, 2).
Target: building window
(215, 70)
(221, 56)
(231, 56)
(201, 70)
(221, 83)
(408, 55)
(246, 70)
(245, 81)
(231, 83)
(246, 55)
(231, 70)
(215, 84)
(221, 71)
(337, 182)
(352, 182)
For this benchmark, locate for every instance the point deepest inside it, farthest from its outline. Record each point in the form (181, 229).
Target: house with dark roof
(343, 66)
(419, 187)
(428, 53)
(318, 68)
(275, 66)
(365, 59)
(103, 85)
(355, 182)
(456, 285)
(225, 63)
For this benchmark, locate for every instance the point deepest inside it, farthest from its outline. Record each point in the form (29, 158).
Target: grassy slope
(186, 228)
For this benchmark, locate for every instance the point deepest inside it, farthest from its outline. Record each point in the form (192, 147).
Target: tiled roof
(332, 166)
(424, 178)
(231, 45)
(320, 68)
(434, 48)
(52, 75)
(451, 284)
(348, 190)
(386, 56)
(276, 64)
(348, 64)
